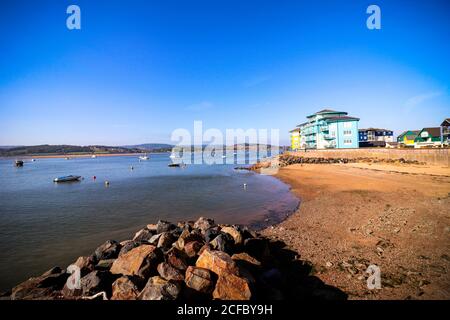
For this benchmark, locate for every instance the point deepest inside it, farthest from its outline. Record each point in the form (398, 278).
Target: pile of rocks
(288, 159)
(185, 261)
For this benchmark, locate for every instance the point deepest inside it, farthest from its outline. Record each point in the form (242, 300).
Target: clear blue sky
(139, 69)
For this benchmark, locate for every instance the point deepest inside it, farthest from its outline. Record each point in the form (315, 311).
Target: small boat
(33, 160)
(145, 157)
(18, 163)
(173, 165)
(93, 156)
(67, 178)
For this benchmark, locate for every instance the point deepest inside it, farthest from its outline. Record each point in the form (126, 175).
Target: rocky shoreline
(188, 261)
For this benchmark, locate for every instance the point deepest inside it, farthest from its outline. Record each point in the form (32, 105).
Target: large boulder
(245, 259)
(223, 242)
(204, 224)
(86, 264)
(217, 261)
(139, 261)
(192, 248)
(108, 250)
(44, 287)
(235, 233)
(128, 245)
(168, 272)
(95, 282)
(143, 235)
(211, 233)
(165, 240)
(164, 226)
(232, 287)
(124, 289)
(158, 288)
(199, 279)
(177, 259)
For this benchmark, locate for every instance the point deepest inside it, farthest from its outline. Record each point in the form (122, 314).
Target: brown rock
(105, 264)
(158, 288)
(128, 245)
(192, 248)
(124, 289)
(43, 287)
(108, 250)
(232, 287)
(86, 265)
(216, 261)
(243, 256)
(199, 279)
(143, 235)
(204, 224)
(237, 236)
(165, 240)
(137, 261)
(95, 282)
(177, 259)
(168, 272)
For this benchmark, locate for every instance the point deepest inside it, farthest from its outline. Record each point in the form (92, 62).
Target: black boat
(18, 163)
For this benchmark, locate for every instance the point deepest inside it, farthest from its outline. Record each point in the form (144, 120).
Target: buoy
(107, 183)
(132, 168)
(94, 177)
(245, 186)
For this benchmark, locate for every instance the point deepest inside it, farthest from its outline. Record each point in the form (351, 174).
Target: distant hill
(152, 147)
(63, 149)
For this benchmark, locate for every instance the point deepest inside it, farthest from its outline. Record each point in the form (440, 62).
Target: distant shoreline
(57, 156)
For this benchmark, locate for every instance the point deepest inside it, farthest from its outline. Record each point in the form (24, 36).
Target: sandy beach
(354, 215)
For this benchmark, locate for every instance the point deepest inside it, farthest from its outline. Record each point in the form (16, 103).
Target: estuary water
(45, 224)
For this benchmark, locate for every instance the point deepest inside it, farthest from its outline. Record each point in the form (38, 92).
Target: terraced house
(406, 138)
(295, 139)
(428, 137)
(328, 129)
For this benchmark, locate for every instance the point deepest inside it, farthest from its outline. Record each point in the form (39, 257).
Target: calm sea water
(44, 224)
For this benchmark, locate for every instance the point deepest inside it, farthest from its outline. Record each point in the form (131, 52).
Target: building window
(347, 132)
(347, 141)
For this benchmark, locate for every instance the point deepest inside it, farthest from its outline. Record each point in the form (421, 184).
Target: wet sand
(354, 215)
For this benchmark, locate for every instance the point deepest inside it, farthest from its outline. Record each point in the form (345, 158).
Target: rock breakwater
(190, 261)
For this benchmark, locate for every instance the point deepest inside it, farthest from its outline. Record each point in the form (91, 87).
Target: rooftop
(326, 111)
(375, 129)
(342, 118)
(434, 131)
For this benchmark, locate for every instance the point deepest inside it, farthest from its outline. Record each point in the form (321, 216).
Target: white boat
(67, 178)
(94, 156)
(144, 157)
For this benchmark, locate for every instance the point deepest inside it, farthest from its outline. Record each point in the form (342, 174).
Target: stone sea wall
(440, 157)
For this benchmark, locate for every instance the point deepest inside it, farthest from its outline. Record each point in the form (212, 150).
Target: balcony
(323, 128)
(328, 137)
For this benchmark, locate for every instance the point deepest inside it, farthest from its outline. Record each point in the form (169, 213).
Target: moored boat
(173, 165)
(144, 157)
(18, 163)
(67, 178)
